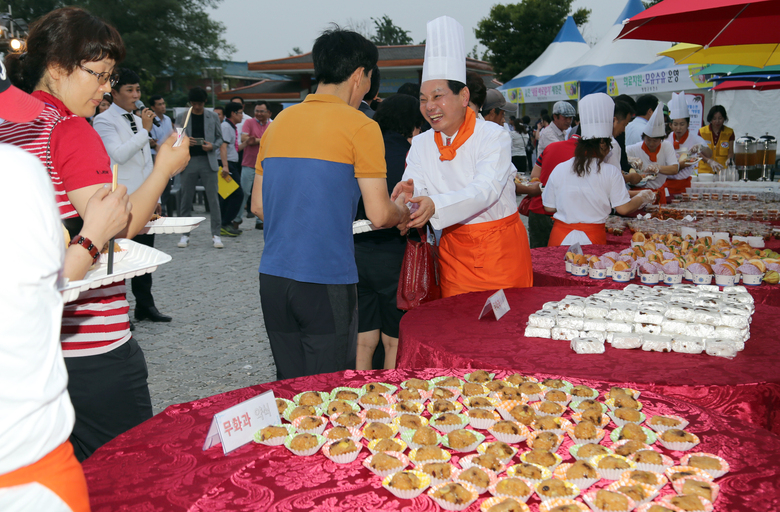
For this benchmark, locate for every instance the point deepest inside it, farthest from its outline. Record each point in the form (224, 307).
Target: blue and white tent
(566, 48)
(609, 57)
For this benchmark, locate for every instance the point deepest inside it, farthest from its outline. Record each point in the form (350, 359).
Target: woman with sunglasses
(68, 63)
(582, 192)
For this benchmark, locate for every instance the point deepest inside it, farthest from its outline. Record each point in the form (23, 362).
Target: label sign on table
(496, 302)
(236, 426)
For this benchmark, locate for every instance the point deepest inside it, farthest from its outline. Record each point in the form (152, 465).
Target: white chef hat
(655, 126)
(678, 107)
(445, 51)
(597, 112)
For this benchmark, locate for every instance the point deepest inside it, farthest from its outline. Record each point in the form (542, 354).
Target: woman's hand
(424, 213)
(106, 214)
(172, 159)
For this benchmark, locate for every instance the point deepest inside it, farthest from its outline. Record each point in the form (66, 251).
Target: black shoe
(228, 231)
(152, 314)
(258, 225)
(132, 325)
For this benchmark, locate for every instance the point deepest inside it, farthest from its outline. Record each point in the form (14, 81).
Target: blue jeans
(247, 179)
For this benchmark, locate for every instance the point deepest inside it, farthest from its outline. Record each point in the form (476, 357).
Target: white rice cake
(596, 309)
(570, 322)
(550, 306)
(573, 308)
(736, 321)
(599, 335)
(537, 332)
(708, 288)
(594, 324)
(587, 346)
(721, 348)
(562, 333)
(687, 344)
(699, 330)
(650, 315)
(627, 341)
(655, 343)
(679, 312)
(672, 327)
(622, 311)
(708, 316)
(618, 327)
(544, 318)
(647, 328)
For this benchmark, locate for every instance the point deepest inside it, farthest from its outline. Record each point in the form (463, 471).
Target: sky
(270, 29)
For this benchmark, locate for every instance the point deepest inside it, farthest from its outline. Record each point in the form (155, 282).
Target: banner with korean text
(544, 93)
(673, 79)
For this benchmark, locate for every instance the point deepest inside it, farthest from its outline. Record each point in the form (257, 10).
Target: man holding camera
(205, 135)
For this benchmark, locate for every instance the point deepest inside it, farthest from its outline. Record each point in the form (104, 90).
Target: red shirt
(554, 154)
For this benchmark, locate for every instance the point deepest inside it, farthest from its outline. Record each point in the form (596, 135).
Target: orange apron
(677, 187)
(60, 472)
(596, 232)
(485, 256)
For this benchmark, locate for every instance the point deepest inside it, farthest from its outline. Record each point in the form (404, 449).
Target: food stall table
(549, 270)
(446, 333)
(159, 465)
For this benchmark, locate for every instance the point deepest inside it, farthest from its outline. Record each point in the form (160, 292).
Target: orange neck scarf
(464, 132)
(681, 141)
(652, 154)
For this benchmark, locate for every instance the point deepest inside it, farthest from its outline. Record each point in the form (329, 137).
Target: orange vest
(485, 256)
(720, 153)
(596, 232)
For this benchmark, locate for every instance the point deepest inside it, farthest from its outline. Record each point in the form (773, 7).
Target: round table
(159, 465)
(446, 333)
(550, 270)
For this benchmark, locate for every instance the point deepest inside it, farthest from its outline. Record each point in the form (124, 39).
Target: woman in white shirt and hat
(685, 144)
(582, 192)
(655, 153)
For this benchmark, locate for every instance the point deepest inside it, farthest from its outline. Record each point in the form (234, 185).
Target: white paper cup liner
(611, 474)
(669, 473)
(361, 414)
(667, 502)
(548, 505)
(677, 485)
(318, 430)
(663, 428)
(575, 491)
(354, 434)
(390, 402)
(714, 473)
(407, 437)
(410, 494)
(591, 496)
(511, 438)
(653, 468)
(373, 450)
(679, 447)
(504, 407)
(278, 440)
(621, 423)
(404, 463)
(649, 490)
(531, 485)
(344, 458)
(495, 500)
(537, 405)
(446, 505)
(484, 423)
(305, 453)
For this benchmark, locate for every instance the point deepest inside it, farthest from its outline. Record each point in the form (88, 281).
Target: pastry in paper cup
(436, 422)
(540, 423)
(479, 376)
(358, 416)
(505, 431)
(581, 483)
(667, 462)
(460, 474)
(284, 405)
(591, 497)
(342, 458)
(549, 505)
(275, 440)
(457, 407)
(681, 472)
(486, 505)
(482, 461)
(354, 433)
(624, 446)
(480, 422)
(611, 473)
(520, 471)
(417, 453)
(300, 424)
(498, 449)
(423, 481)
(660, 428)
(414, 383)
(379, 387)
(345, 393)
(678, 446)
(306, 397)
(524, 457)
(389, 471)
(505, 408)
(398, 420)
(301, 410)
(480, 402)
(620, 422)
(290, 444)
(544, 487)
(610, 402)
(419, 396)
(407, 407)
(577, 406)
(574, 451)
(448, 381)
(445, 393)
(669, 500)
(532, 437)
(465, 492)
(479, 438)
(384, 400)
(376, 445)
(557, 396)
(368, 436)
(408, 438)
(577, 417)
(679, 486)
(650, 435)
(337, 406)
(600, 433)
(434, 479)
(505, 490)
(648, 491)
(714, 473)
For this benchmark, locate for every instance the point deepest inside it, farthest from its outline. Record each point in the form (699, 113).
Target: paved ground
(216, 341)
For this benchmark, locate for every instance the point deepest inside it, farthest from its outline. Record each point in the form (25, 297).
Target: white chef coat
(665, 157)
(613, 157)
(476, 186)
(692, 140)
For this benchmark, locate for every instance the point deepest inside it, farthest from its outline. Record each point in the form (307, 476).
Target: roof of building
(266, 90)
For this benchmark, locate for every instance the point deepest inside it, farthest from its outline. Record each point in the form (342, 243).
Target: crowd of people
(434, 161)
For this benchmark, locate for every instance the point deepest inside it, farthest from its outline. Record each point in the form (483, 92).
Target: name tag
(236, 426)
(496, 303)
(724, 145)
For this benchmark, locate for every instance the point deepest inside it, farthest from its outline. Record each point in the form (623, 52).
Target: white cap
(564, 108)
(678, 107)
(597, 112)
(655, 126)
(445, 51)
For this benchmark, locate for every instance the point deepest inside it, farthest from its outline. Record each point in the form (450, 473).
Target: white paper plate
(138, 261)
(171, 225)
(362, 226)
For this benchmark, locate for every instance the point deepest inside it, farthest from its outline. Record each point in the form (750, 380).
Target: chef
(685, 143)
(462, 178)
(656, 154)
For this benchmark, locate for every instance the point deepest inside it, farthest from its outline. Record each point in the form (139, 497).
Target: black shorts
(378, 270)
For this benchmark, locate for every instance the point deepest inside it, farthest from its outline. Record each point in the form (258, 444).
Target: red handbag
(525, 206)
(419, 279)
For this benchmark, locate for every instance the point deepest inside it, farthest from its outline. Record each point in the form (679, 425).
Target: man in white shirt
(231, 167)
(563, 114)
(126, 138)
(645, 106)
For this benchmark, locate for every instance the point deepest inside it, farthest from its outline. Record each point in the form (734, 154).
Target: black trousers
(110, 395)
(142, 285)
(232, 203)
(539, 229)
(312, 327)
(520, 163)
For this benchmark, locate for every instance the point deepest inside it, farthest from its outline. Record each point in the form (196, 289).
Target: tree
(388, 34)
(162, 37)
(516, 34)
(295, 51)
(650, 3)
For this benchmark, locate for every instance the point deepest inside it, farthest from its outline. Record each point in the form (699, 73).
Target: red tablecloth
(549, 270)
(447, 334)
(159, 465)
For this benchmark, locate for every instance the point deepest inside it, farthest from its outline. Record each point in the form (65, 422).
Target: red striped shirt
(75, 157)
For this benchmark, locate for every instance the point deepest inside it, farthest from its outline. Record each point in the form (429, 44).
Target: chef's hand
(648, 197)
(653, 169)
(424, 212)
(633, 178)
(694, 150)
(406, 187)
